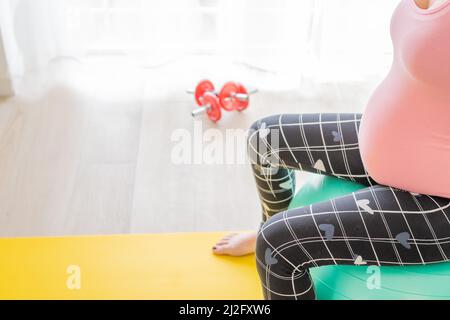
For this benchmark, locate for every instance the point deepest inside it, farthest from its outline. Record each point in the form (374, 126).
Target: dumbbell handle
(191, 92)
(201, 110)
(239, 96)
(245, 96)
(242, 96)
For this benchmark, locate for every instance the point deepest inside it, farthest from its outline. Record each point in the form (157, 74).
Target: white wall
(6, 87)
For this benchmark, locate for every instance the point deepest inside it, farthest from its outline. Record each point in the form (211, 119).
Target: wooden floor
(88, 151)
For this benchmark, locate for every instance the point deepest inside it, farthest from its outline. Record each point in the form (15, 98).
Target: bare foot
(236, 245)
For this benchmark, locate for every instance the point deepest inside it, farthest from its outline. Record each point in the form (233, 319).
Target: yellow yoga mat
(164, 266)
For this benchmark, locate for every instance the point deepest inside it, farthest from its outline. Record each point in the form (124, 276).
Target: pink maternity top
(405, 131)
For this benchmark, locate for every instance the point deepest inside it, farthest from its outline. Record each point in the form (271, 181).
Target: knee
(261, 137)
(253, 142)
(263, 126)
(255, 126)
(271, 243)
(280, 246)
(263, 246)
(280, 263)
(254, 133)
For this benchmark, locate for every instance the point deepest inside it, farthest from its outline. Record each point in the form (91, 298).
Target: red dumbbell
(203, 87)
(234, 96)
(208, 102)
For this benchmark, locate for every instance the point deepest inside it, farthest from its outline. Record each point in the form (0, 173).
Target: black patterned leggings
(378, 225)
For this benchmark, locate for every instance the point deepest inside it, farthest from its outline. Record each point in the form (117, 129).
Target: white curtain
(317, 40)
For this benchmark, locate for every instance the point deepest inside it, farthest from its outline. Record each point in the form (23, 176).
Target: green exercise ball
(429, 282)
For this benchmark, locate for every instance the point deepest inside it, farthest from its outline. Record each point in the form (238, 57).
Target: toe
(221, 249)
(222, 243)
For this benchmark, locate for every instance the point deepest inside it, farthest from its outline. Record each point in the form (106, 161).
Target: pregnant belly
(405, 138)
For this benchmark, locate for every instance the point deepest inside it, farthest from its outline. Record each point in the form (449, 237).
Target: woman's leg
(278, 145)
(375, 226)
(319, 143)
